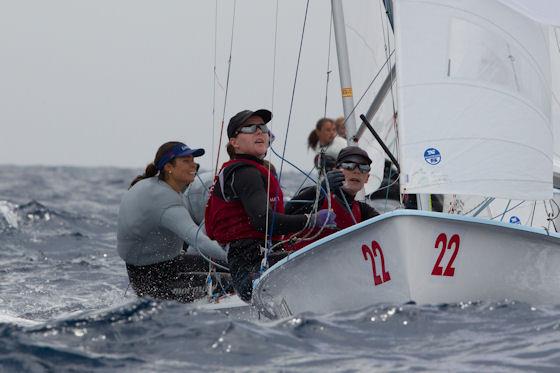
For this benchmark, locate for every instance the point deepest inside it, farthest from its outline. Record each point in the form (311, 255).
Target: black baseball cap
(353, 154)
(240, 118)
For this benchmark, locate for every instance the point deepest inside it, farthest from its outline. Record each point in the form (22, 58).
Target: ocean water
(64, 305)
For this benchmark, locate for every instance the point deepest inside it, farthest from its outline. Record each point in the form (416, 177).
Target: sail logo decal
(373, 252)
(432, 156)
(514, 220)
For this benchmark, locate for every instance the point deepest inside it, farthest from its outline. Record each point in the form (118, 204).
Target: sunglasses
(351, 166)
(253, 128)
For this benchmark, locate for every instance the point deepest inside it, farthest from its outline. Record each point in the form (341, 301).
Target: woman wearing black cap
(153, 224)
(245, 196)
(349, 177)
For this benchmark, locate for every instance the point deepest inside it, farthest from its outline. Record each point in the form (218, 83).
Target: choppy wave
(64, 306)
(166, 336)
(8, 216)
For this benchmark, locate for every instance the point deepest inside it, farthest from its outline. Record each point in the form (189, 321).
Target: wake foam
(8, 216)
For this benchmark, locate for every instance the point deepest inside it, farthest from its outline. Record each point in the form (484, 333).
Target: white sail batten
(474, 100)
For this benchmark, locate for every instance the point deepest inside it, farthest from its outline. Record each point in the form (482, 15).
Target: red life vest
(343, 220)
(226, 220)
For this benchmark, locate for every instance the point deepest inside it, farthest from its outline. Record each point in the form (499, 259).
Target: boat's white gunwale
(400, 213)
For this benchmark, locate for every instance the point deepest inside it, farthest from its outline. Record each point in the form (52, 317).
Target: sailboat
(476, 86)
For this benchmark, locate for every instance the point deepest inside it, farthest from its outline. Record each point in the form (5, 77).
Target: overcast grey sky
(104, 83)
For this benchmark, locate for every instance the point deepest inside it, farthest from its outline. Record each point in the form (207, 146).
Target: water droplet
(80, 332)
(295, 321)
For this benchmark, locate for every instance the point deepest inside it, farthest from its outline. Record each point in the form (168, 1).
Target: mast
(344, 69)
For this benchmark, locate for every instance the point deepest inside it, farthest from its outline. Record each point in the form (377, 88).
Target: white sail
(474, 100)
(555, 86)
(543, 11)
(547, 12)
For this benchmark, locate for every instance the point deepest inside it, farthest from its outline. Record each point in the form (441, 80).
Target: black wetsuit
(245, 183)
(182, 278)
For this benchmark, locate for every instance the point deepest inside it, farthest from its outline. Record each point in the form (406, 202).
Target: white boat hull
(407, 255)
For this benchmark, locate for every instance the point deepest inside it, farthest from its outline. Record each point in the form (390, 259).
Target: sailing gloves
(335, 178)
(323, 218)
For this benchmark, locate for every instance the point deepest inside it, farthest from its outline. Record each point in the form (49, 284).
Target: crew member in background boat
(325, 143)
(237, 210)
(153, 224)
(352, 172)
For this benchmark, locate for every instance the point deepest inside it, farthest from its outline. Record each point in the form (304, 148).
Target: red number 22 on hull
(372, 254)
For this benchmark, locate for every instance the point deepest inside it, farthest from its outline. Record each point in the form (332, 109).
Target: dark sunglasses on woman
(253, 128)
(351, 166)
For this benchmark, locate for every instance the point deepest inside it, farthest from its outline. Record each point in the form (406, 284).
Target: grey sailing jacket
(153, 223)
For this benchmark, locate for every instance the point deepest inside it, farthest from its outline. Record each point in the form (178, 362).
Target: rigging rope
(227, 87)
(293, 90)
(532, 215)
(305, 178)
(308, 228)
(388, 186)
(506, 209)
(268, 232)
(293, 165)
(505, 212)
(264, 262)
(208, 259)
(328, 65)
(294, 238)
(555, 216)
(477, 206)
(387, 40)
(315, 207)
(348, 207)
(214, 79)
